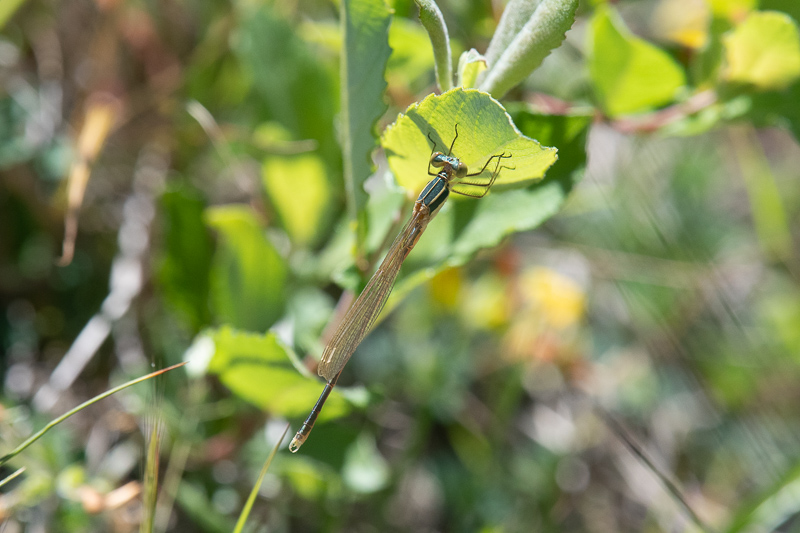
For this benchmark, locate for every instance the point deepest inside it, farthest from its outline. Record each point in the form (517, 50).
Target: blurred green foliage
(263, 156)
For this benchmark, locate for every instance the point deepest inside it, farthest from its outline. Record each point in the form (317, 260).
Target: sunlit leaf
(763, 51)
(470, 65)
(248, 276)
(629, 74)
(257, 368)
(300, 192)
(485, 129)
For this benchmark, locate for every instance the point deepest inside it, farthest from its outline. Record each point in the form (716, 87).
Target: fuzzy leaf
(527, 33)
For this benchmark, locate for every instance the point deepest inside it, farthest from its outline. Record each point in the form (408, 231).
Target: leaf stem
(433, 21)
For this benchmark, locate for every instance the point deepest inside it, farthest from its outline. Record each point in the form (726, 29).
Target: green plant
(278, 149)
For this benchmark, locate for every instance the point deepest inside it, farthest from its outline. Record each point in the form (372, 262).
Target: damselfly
(452, 176)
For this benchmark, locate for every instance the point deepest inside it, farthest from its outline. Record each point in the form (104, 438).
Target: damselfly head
(438, 159)
(451, 164)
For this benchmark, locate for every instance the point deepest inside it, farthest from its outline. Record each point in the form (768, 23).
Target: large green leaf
(258, 368)
(763, 51)
(484, 128)
(365, 51)
(248, 276)
(629, 74)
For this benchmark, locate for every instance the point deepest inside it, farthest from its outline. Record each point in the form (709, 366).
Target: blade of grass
(150, 482)
(33, 438)
(12, 476)
(253, 493)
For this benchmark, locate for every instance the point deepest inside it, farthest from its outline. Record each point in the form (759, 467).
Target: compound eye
(461, 170)
(437, 159)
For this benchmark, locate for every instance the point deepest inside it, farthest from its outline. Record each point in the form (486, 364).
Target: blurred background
(171, 188)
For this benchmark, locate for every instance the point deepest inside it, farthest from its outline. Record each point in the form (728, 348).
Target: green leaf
(470, 65)
(629, 74)
(258, 369)
(527, 32)
(365, 51)
(248, 275)
(485, 129)
(431, 18)
(299, 190)
(184, 271)
(763, 51)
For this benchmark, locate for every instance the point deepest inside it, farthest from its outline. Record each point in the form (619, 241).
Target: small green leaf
(299, 191)
(485, 129)
(258, 369)
(470, 66)
(248, 275)
(763, 51)
(365, 51)
(630, 75)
